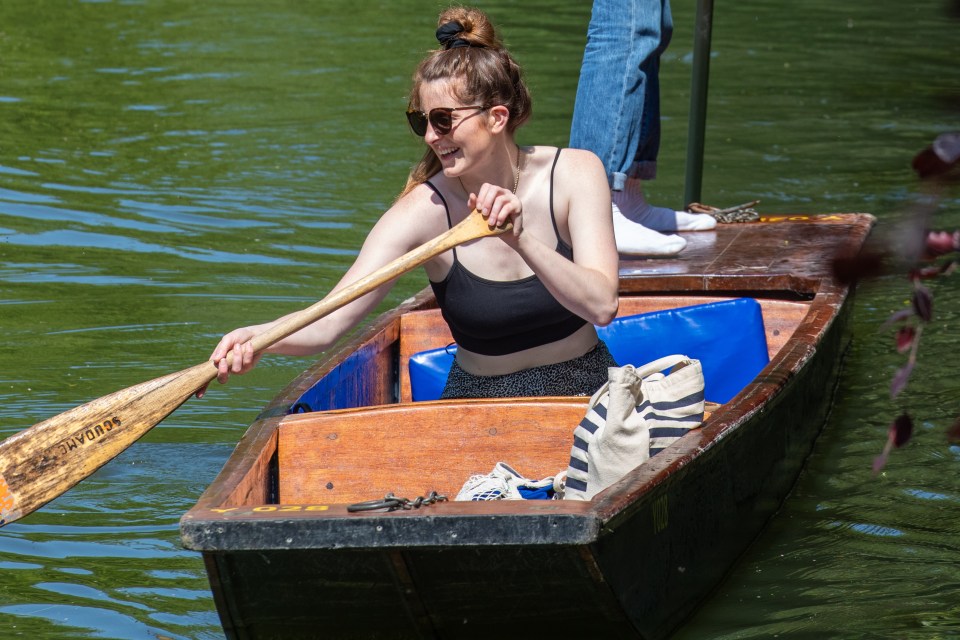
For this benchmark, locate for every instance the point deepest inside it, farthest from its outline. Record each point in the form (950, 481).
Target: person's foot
(635, 239)
(635, 207)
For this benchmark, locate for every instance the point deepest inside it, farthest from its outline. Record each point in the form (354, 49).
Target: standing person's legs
(630, 199)
(653, 29)
(617, 112)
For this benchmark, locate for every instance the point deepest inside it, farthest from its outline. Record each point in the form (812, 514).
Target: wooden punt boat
(286, 559)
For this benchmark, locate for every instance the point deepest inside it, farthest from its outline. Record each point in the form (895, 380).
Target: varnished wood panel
(350, 456)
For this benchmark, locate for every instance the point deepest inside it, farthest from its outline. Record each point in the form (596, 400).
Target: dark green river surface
(172, 169)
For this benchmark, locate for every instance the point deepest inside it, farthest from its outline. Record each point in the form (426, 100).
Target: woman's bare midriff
(573, 346)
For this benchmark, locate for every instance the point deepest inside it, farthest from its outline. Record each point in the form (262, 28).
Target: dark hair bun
(475, 29)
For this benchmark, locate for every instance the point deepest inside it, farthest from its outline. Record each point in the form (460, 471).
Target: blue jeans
(617, 110)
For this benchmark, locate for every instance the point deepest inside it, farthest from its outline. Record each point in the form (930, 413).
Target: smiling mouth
(443, 153)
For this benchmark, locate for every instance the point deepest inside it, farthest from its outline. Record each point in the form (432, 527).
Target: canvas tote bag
(636, 410)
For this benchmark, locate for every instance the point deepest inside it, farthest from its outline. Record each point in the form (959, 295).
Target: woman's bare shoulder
(420, 212)
(580, 159)
(568, 159)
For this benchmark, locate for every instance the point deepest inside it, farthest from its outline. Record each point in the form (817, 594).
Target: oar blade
(42, 462)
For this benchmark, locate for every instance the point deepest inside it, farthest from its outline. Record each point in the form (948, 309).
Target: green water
(170, 170)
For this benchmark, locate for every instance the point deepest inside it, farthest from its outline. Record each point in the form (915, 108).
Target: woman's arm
(408, 224)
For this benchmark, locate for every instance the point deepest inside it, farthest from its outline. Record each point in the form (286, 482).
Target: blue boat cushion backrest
(727, 338)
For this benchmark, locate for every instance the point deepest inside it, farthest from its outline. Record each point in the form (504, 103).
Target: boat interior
(413, 448)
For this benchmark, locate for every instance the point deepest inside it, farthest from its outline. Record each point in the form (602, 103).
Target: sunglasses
(441, 118)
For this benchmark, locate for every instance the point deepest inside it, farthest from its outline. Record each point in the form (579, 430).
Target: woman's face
(469, 138)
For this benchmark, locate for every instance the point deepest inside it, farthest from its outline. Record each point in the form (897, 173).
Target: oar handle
(473, 227)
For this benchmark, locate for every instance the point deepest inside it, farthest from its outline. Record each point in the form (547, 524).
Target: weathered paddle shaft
(42, 462)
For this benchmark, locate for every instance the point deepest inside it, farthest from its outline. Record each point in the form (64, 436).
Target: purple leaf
(925, 273)
(953, 433)
(901, 429)
(899, 382)
(897, 435)
(898, 316)
(922, 301)
(905, 337)
(947, 147)
(941, 242)
(940, 157)
(880, 462)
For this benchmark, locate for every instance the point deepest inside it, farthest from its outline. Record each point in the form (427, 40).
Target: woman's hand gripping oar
(44, 461)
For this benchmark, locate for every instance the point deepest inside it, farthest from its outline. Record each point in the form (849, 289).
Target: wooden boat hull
(287, 560)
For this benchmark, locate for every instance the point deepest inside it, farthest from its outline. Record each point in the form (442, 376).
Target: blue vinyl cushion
(727, 338)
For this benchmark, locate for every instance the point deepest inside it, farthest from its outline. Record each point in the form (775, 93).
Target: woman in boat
(521, 306)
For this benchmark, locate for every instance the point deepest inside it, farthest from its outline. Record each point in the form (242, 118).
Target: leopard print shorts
(580, 376)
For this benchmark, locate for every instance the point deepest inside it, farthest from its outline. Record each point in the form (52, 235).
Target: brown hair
(483, 72)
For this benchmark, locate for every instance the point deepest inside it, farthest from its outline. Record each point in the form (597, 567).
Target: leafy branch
(930, 254)
(927, 254)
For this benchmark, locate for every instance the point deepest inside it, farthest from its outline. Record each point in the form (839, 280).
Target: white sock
(636, 208)
(635, 239)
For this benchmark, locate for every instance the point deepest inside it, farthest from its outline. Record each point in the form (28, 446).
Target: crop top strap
(553, 217)
(447, 209)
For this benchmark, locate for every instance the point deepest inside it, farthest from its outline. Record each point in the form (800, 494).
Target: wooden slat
(349, 456)
(421, 330)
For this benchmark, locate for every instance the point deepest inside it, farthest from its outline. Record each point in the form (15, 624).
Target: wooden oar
(42, 462)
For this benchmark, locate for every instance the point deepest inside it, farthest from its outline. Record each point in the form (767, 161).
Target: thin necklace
(516, 179)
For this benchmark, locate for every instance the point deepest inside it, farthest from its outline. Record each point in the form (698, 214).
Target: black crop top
(494, 318)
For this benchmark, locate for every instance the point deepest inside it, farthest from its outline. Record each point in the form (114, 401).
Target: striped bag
(636, 414)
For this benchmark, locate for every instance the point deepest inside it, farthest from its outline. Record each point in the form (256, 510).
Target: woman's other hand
(242, 358)
(498, 206)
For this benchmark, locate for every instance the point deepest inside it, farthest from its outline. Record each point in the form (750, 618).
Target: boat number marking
(800, 218)
(660, 513)
(87, 436)
(283, 508)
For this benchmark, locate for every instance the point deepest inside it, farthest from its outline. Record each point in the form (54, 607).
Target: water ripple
(104, 623)
(17, 172)
(69, 238)
(51, 214)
